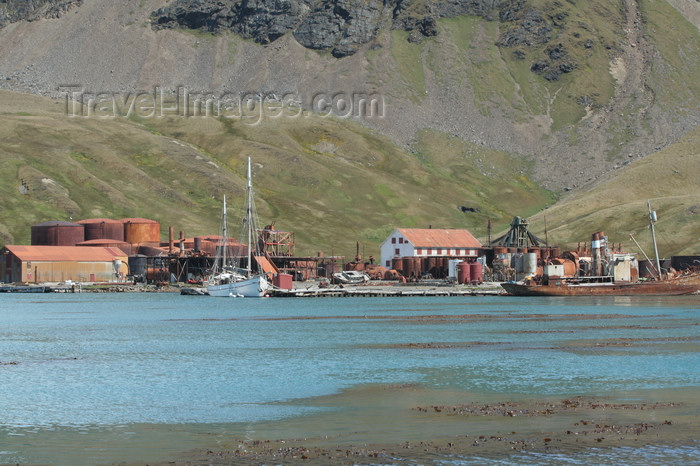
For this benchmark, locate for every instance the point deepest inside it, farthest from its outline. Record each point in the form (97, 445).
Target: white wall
(388, 249)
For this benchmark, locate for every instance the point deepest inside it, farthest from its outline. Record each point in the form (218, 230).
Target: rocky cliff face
(31, 10)
(341, 26)
(578, 88)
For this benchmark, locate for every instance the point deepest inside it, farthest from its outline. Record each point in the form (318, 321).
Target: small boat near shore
(350, 277)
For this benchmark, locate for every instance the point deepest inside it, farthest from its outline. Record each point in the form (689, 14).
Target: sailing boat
(228, 280)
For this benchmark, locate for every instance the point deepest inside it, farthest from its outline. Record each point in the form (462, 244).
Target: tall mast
(224, 233)
(248, 217)
(652, 220)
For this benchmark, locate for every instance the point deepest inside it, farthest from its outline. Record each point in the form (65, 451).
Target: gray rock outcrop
(31, 10)
(340, 26)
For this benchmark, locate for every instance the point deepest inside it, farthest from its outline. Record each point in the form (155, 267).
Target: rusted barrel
(475, 272)
(463, 273)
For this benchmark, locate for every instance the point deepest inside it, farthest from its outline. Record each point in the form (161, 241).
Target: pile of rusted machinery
(180, 258)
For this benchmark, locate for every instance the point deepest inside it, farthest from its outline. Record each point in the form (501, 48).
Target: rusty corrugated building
(40, 264)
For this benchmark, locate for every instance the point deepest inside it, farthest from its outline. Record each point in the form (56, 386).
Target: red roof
(66, 253)
(439, 238)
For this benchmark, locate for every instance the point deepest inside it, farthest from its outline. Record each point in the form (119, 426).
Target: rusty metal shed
(41, 264)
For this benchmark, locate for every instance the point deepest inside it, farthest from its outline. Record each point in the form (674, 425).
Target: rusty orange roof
(441, 238)
(98, 220)
(137, 220)
(66, 253)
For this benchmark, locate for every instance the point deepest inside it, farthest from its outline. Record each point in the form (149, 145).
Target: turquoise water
(96, 363)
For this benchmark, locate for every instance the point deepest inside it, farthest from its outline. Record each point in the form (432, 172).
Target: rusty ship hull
(684, 285)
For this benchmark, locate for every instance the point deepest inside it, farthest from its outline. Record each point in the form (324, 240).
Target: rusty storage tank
(137, 265)
(422, 265)
(569, 267)
(407, 270)
(535, 250)
(463, 273)
(429, 264)
(108, 243)
(57, 233)
(517, 262)
(157, 274)
(103, 228)
(475, 273)
(415, 266)
(397, 264)
(141, 230)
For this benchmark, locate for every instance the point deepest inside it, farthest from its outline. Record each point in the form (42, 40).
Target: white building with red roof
(428, 242)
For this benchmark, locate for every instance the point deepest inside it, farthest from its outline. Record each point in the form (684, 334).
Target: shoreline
(301, 289)
(547, 430)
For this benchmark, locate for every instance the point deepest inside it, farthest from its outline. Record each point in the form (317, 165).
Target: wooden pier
(492, 289)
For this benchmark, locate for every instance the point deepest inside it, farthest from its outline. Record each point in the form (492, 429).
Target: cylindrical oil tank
(529, 263)
(103, 228)
(137, 265)
(414, 266)
(57, 233)
(463, 273)
(141, 230)
(157, 274)
(570, 268)
(197, 244)
(475, 273)
(429, 264)
(500, 250)
(397, 264)
(517, 263)
(108, 243)
(535, 250)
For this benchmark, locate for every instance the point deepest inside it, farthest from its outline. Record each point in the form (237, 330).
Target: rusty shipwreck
(603, 270)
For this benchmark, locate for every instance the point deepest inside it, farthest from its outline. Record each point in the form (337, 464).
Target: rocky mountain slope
(576, 88)
(330, 182)
(573, 91)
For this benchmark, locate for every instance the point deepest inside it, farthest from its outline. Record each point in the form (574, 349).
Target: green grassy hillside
(669, 179)
(331, 182)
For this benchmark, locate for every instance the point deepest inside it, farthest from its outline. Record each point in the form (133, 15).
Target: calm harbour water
(90, 378)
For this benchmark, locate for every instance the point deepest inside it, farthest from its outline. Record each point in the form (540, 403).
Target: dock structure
(25, 289)
(370, 291)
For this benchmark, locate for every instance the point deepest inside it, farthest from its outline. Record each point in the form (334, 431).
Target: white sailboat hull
(255, 287)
